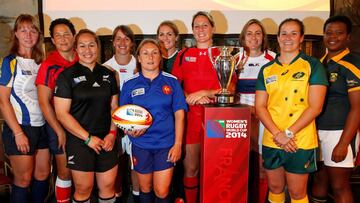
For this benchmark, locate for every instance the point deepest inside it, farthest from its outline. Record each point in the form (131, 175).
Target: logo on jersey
(96, 84)
(333, 77)
(284, 73)
(70, 159)
(106, 78)
(226, 128)
(137, 92)
(202, 53)
(190, 59)
(298, 75)
(26, 72)
(79, 79)
(351, 83)
(166, 89)
(270, 79)
(123, 70)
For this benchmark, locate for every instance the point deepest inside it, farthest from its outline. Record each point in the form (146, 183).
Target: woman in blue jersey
(168, 34)
(155, 150)
(24, 134)
(290, 92)
(253, 37)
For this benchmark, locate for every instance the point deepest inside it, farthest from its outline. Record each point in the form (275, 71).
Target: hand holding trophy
(224, 64)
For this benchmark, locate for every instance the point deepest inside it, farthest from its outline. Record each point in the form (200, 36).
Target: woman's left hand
(109, 141)
(174, 153)
(339, 153)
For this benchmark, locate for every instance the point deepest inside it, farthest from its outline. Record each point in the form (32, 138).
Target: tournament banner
(225, 149)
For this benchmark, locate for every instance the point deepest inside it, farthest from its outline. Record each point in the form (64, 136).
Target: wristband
(87, 139)
(113, 132)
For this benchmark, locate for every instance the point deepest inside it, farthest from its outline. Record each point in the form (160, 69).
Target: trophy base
(224, 99)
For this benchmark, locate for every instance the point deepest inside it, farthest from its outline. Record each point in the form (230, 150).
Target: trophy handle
(211, 56)
(238, 56)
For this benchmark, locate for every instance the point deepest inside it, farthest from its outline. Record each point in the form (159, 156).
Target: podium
(225, 146)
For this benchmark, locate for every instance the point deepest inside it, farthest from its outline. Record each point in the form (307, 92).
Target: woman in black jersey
(85, 96)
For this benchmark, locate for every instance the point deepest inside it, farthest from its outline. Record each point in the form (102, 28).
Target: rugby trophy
(224, 59)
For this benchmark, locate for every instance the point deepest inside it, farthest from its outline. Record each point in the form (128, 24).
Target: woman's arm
(62, 109)
(8, 113)
(45, 95)
(110, 138)
(351, 125)
(201, 97)
(175, 151)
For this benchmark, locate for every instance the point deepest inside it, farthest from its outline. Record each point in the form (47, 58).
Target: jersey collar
(337, 57)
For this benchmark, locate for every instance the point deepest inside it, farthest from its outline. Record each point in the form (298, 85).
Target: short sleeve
(63, 87)
(177, 70)
(125, 95)
(7, 71)
(260, 85)
(114, 87)
(179, 101)
(318, 73)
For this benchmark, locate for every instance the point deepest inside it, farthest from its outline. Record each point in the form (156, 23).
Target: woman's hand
(61, 139)
(109, 141)
(288, 144)
(203, 96)
(339, 153)
(22, 143)
(174, 153)
(135, 133)
(96, 144)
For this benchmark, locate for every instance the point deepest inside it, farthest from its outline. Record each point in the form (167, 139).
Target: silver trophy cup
(224, 60)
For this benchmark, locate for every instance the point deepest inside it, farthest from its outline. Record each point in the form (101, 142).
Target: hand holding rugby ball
(132, 117)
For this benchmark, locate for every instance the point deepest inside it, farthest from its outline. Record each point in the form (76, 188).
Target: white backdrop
(143, 16)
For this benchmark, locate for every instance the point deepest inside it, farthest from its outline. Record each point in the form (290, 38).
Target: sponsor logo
(254, 64)
(270, 79)
(351, 83)
(106, 78)
(202, 53)
(26, 72)
(284, 73)
(123, 70)
(96, 84)
(298, 75)
(228, 129)
(137, 92)
(134, 112)
(79, 79)
(166, 89)
(190, 59)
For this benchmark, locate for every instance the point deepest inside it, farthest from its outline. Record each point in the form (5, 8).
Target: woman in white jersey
(124, 63)
(253, 37)
(24, 134)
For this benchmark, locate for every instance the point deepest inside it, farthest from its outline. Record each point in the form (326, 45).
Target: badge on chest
(137, 92)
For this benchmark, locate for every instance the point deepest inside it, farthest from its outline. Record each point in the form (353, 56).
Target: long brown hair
(37, 53)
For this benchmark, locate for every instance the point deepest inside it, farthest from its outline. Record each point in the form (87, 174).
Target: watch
(289, 133)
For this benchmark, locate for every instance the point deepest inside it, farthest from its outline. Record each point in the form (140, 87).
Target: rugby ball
(132, 117)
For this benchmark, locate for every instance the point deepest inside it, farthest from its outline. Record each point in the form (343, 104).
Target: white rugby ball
(132, 117)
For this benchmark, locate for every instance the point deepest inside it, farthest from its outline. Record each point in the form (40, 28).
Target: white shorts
(126, 147)
(328, 139)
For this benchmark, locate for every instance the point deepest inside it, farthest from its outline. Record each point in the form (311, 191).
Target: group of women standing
(76, 96)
